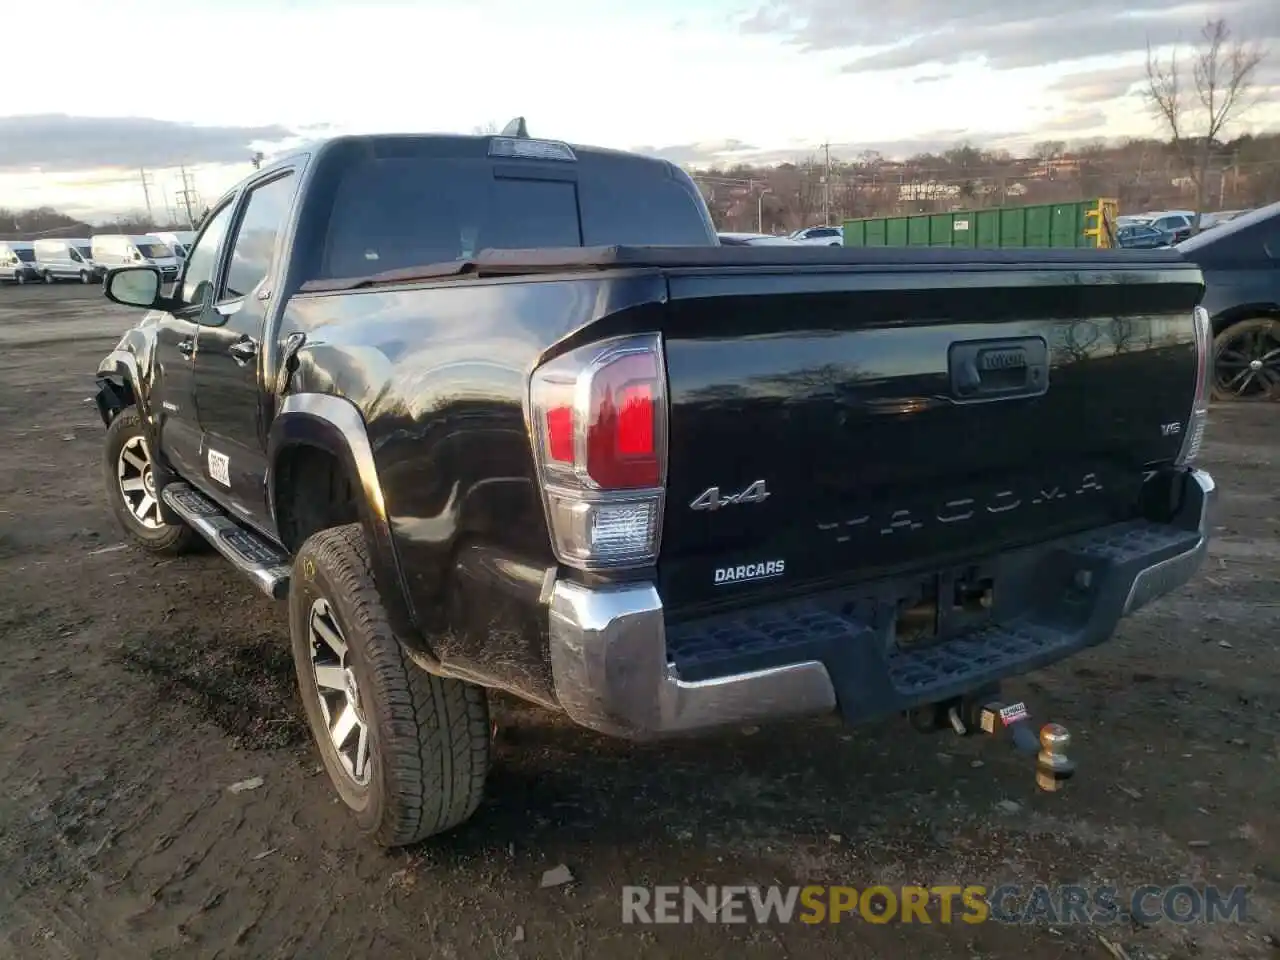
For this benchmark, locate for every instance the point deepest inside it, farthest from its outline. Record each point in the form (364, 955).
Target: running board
(263, 562)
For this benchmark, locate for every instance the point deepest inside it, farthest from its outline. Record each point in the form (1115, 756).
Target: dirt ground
(138, 691)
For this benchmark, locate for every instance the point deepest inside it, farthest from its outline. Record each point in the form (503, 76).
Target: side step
(264, 563)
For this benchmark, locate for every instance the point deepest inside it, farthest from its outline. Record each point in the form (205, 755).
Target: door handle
(243, 350)
(187, 347)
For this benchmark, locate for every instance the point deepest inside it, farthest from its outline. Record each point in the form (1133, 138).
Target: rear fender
(335, 425)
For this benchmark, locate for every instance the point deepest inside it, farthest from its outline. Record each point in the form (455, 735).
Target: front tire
(47, 277)
(407, 751)
(129, 479)
(20, 279)
(85, 277)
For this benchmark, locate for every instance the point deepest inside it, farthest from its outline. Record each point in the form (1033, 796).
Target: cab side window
(203, 262)
(255, 241)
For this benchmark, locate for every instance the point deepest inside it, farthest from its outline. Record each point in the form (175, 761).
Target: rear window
(405, 212)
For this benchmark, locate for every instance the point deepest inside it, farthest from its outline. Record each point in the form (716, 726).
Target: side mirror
(133, 286)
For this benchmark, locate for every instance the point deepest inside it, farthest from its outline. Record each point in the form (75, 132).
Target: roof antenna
(516, 128)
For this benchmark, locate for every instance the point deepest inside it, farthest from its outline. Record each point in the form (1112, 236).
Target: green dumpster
(1084, 223)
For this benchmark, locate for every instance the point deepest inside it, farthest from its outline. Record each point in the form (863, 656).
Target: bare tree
(1047, 150)
(1222, 79)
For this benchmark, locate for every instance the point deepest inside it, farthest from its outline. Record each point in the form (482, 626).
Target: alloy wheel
(137, 482)
(341, 704)
(1248, 364)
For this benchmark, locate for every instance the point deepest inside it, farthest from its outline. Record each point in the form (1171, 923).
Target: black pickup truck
(501, 413)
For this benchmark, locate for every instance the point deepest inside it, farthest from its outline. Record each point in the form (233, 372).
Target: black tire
(165, 538)
(428, 736)
(1259, 335)
(85, 277)
(20, 278)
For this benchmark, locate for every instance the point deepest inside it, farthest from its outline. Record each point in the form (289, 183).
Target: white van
(18, 261)
(179, 241)
(121, 250)
(66, 260)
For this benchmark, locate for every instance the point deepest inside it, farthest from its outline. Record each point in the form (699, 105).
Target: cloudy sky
(204, 83)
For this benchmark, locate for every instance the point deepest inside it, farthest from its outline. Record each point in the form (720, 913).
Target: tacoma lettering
(960, 510)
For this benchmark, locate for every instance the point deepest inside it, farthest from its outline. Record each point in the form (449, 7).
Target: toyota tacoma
(500, 413)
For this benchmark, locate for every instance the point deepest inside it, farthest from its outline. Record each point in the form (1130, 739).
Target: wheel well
(1229, 318)
(313, 491)
(118, 395)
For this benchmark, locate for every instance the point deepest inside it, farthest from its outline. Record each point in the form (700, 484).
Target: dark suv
(1241, 264)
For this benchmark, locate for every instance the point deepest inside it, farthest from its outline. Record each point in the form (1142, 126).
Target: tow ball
(1053, 767)
(1012, 722)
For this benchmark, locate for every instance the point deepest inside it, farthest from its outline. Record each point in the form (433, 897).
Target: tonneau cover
(566, 259)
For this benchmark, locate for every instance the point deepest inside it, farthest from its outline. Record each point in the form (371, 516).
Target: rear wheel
(128, 473)
(1246, 361)
(47, 277)
(407, 751)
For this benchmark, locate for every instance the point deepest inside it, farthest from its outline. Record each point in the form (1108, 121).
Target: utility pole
(186, 194)
(826, 187)
(146, 194)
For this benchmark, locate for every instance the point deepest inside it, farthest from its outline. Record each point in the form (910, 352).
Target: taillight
(1193, 436)
(600, 440)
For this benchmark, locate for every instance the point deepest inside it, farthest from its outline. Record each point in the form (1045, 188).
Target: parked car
(1141, 236)
(1176, 223)
(495, 413)
(66, 260)
(755, 240)
(1240, 260)
(118, 249)
(18, 261)
(820, 236)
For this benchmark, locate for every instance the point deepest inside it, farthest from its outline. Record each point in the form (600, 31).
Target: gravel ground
(138, 691)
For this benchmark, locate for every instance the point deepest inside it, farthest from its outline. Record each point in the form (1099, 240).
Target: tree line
(48, 222)
(1142, 174)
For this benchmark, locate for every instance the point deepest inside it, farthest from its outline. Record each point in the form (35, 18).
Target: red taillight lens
(621, 444)
(560, 434)
(599, 415)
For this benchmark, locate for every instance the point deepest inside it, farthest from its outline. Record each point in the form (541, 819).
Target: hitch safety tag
(1011, 714)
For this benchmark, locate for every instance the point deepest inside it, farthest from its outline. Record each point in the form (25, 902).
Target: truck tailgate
(841, 424)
